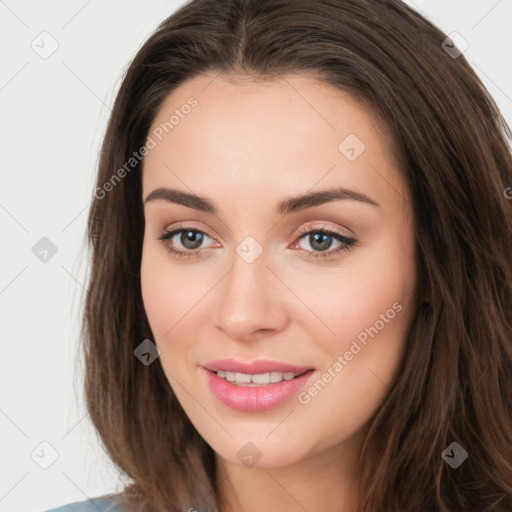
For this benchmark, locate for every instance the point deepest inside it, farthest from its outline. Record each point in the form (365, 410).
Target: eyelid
(347, 240)
(318, 225)
(323, 226)
(189, 226)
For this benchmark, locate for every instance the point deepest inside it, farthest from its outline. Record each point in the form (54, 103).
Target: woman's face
(296, 264)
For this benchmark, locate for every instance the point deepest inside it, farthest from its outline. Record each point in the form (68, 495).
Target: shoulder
(102, 504)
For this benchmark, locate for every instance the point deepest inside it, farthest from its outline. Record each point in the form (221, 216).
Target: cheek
(373, 288)
(371, 315)
(164, 292)
(367, 307)
(158, 297)
(173, 301)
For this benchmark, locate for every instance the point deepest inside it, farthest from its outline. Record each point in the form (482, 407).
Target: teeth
(276, 377)
(259, 379)
(242, 377)
(230, 376)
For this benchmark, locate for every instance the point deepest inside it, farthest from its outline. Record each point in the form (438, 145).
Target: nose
(250, 300)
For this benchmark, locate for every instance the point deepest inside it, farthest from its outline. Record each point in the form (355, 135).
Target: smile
(258, 379)
(257, 386)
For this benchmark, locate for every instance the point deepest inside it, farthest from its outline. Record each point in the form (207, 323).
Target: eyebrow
(290, 205)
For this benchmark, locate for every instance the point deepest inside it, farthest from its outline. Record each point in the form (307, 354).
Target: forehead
(288, 132)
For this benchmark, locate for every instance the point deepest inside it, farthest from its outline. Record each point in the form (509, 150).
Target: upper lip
(255, 367)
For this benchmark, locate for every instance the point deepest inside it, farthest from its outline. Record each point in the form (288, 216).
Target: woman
(300, 295)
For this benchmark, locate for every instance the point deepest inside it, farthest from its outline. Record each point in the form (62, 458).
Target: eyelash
(347, 243)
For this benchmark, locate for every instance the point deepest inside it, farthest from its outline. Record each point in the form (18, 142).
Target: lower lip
(255, 398)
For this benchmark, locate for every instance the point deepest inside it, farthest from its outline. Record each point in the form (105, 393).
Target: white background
(53, 113)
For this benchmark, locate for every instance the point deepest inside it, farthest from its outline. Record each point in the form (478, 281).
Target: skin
(247, 146)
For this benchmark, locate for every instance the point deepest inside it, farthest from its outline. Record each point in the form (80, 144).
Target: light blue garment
(92, 505)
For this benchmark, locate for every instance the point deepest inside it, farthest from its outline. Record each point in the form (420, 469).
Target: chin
(251, 456)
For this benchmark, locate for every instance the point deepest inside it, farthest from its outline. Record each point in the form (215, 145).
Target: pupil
(322, 236)
(189, 238)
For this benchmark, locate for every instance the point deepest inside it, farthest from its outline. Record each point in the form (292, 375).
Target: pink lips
(256, 398)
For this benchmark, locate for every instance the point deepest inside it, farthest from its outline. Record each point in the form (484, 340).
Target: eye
(189, 238)
(321, 238)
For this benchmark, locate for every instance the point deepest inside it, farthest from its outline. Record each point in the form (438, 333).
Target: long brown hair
(455, 384)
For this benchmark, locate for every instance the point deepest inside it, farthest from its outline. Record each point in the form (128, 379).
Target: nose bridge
(248, 299)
